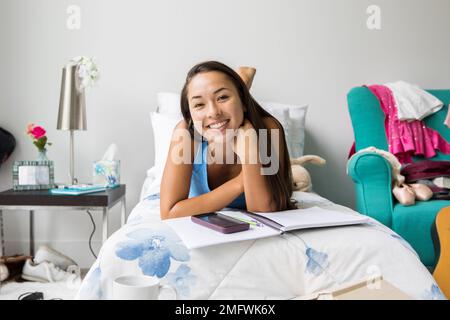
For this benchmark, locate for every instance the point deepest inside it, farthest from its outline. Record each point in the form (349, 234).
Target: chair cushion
(413, 223)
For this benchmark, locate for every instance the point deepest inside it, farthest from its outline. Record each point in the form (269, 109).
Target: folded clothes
(426, 169)
(413, 103)
(442, 194)
(439, 192)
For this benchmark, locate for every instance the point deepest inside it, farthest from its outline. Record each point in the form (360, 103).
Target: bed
(288, 266)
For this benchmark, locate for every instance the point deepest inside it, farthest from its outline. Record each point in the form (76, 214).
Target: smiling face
(215, 105)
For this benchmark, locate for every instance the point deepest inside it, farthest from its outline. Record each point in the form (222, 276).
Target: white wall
(306, 51)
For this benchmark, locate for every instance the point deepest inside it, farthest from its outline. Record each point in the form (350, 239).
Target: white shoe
(48, 272)
(45, 253)
(442, 182)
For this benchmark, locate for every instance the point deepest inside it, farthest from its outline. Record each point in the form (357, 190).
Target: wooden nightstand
(44, 200)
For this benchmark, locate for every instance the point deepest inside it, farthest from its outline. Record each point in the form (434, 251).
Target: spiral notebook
(262, 225)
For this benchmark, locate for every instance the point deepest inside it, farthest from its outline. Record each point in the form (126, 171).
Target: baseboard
(77, 250)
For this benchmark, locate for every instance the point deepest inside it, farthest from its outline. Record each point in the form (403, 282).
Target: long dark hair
(280, 183)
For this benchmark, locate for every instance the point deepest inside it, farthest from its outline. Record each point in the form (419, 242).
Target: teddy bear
(4, 272)
(300, 176)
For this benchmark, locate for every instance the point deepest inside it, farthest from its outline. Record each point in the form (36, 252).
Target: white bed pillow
(292, 118)
(163, 122)
(163, 125)
(168, 102)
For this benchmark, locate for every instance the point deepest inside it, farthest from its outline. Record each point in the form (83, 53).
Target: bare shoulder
(181, 130)
(182, 125)
(272, 123)
(182, 137)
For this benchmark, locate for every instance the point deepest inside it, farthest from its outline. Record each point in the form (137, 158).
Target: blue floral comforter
(288, 266)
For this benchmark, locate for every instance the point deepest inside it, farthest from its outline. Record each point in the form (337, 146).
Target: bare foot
(247, 74)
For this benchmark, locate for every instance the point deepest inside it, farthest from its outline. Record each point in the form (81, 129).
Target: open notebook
(262, 225)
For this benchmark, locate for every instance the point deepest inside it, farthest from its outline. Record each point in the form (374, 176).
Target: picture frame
(33, 175)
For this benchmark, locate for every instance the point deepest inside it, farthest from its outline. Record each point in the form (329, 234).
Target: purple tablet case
(239, 226)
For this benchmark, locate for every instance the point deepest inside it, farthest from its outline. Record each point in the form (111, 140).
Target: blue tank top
(199, 178)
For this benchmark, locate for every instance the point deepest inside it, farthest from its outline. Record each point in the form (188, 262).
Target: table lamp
(72, 109)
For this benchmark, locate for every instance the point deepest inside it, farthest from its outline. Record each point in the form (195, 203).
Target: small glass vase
(42, 155)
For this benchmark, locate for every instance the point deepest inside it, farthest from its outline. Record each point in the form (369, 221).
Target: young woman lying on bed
(219, 156)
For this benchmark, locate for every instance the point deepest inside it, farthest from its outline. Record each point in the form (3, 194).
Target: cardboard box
(367, 289)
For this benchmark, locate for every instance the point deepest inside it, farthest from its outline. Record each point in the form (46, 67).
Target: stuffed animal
(300, 176)
(4, 273)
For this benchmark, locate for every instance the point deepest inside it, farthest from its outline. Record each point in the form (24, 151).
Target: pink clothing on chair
(407, 139)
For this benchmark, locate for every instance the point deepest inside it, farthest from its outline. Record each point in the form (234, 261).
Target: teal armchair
(371, 173)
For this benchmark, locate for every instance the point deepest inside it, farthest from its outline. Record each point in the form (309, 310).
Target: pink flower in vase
(38, 132)
(30, 128)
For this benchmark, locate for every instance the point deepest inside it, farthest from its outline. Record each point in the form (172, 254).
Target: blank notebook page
(312, 217)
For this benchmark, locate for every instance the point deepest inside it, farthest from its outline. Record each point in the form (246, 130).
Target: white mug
(139, 288)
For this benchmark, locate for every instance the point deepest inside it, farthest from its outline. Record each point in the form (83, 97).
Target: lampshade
(72, 105)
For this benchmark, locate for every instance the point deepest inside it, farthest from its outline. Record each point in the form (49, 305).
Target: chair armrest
(372, 176)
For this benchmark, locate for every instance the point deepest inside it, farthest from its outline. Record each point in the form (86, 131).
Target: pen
(253, 223)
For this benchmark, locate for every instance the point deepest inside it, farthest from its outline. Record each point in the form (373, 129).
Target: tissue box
(106, 173)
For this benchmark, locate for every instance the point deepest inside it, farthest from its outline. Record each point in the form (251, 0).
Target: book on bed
(262, 225)
(75, 190)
